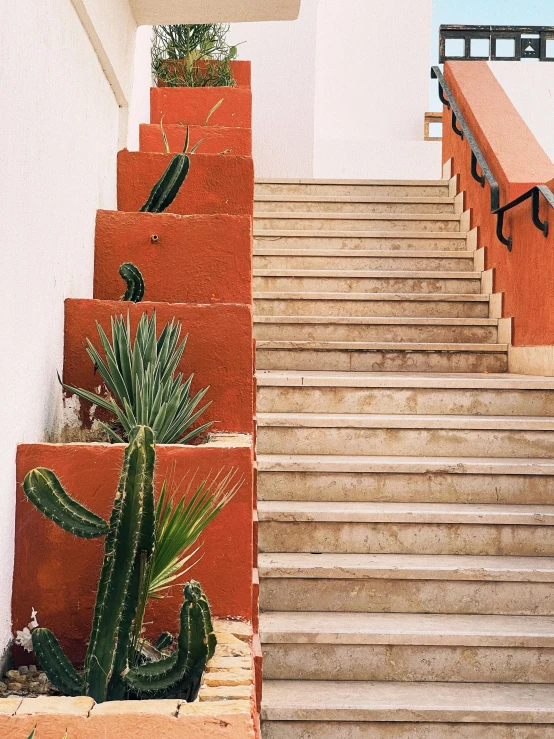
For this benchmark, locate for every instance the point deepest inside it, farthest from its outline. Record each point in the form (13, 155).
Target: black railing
(519, 42)
(461, 129)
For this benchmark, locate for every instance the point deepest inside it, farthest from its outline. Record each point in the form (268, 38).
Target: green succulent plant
(143, 387)
(135, 283)
(144, 551)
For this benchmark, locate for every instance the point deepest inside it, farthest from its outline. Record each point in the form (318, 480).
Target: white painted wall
(372, 90)
(59, 131)
(283, 88)
(530, 87)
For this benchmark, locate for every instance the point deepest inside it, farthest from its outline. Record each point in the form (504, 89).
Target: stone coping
(225, 705)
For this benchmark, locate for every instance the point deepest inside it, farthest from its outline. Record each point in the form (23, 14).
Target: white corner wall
(59, 129)
(530, 87)
(372, 90)
(283, 87)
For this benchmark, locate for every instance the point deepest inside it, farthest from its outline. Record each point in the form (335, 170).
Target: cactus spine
(129, 544)
(135, 283)
(181, 673)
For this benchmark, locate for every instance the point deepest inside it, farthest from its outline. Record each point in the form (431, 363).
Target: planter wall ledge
(183, 259)
(191, 105)
(216, 183)
(224, 710)
(217, 139)
(241, 69)
(219, 352)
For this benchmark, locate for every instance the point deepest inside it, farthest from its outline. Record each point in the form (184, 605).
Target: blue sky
(487, 12)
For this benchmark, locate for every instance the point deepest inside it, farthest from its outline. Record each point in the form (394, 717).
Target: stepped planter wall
(196, 261)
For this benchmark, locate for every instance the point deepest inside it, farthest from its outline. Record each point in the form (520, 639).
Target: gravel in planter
(27, 681)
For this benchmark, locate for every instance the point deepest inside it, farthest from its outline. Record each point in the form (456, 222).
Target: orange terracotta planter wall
(57, 573)
(214, 184)
(518, 162)
(191, 106)
(241, 72)
(219, 351)
(216, 139)
(196, 259)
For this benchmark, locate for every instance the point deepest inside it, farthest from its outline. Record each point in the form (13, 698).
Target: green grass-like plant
(193, 55)
(143, 387)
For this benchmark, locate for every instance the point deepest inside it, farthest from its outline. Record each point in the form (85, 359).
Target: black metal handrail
(461, 129)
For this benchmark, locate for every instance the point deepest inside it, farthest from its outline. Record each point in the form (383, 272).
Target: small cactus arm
(130, 537)
(164, 641)
(166, 188)
(135, 283)
(180, 674)
(53, 661)
(45, 491)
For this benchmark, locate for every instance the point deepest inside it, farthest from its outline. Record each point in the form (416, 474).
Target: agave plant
(143, 387)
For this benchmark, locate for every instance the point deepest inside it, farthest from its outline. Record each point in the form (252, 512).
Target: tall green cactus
(129, 544)
(180, 673)
(135, 282)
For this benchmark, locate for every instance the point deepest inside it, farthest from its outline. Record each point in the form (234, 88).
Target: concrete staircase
(406, 525)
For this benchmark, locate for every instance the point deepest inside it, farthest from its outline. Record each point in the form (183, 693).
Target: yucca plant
(178, 527)
(143, 387)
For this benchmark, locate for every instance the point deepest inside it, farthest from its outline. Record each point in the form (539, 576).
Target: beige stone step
(380, 357)
(406, 647)
(369, 240)
(406, 528)
(406, 435)
(364, 222)
(416, 305)
(351, 204)
(402, 392)
(383, 188)
(479, 480)
(406, 583)
(379, 281)
(455, 705)
(351, 329)
(358, 259)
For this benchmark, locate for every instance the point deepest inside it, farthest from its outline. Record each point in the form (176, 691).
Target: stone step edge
(393, 199)
(326, 181)
(363, 253)
(419, 629)
(322, 378)
(438, 514)
(415, 297)
(450, 567)
(377, 320)
(268, 463)
(497, 703)
(422, 235)
(405, 421)
(362, 346)
(301, 216)
(367, 274)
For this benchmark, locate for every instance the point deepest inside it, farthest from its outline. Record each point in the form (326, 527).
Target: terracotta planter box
(214, 184)
(219, 352)
(193, 259)
(241, 72)
(226, 707)
(57, 573)
(217, 139)
(191, 106)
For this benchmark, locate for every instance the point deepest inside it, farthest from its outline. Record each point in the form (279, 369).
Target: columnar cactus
(135, 283)
(130, 539)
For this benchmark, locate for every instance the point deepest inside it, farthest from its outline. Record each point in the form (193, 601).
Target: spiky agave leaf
(143, 385)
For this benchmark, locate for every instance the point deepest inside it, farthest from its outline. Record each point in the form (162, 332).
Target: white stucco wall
(59, 131)
(530, 87)
(372, 90)
(283, 88)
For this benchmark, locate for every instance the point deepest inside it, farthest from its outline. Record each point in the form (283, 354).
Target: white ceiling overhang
(166, 12)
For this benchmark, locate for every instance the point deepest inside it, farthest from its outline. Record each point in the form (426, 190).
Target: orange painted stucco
(216, 139)
(194, 259)
(526, 274)
(215, 183)
(56, 573)
(241, 72)
(218, 351)
(191, 106)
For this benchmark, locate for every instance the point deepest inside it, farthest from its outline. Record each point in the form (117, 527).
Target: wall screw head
(154, 238)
